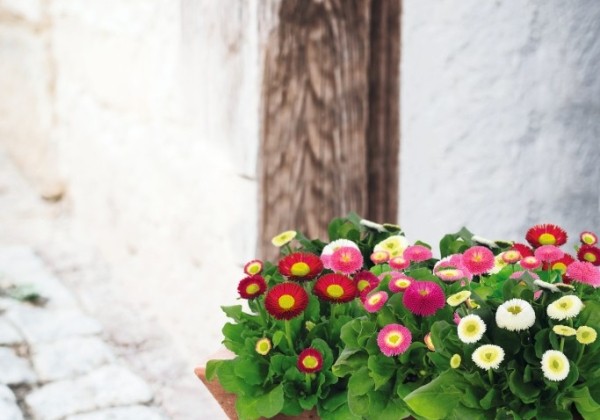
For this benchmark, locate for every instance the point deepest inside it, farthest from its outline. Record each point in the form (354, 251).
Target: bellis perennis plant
(372, 325)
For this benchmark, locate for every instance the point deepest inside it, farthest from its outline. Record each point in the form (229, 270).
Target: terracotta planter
(227, 400)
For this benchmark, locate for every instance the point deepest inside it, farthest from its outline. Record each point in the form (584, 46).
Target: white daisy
(471, 328)
(515, 315)
(458, 298)
(488, 356)
(555, 365)
(395, 245)
(586, 335)
(564, 330)
(564, 308)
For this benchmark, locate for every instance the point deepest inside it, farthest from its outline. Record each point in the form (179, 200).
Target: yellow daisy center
(489, 356)
(402, 283)
(252, 288)
(547, 239)
(374, 299)
(394, 339)
(286, 301)
(335, 290)
(455, 361)
(590, 257)
(515, 310)
(556, 365)
(346, 257)
(310, 362)
(254, 268)
(560, 267)
(471, 328)
(588, 239)
(361, 285)
(565, 304)
(300, 269)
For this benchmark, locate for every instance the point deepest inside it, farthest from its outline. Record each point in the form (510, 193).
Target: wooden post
(329, 141)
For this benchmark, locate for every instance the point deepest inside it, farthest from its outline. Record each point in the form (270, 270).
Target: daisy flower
(300, 266)
(417, 253)
(263, 346)
(589, 253)
(424, 298)
(458, 298)
(555, 365)
(478, 259)
(565, 307)
(335, 288)
(548, 253)
(523, 249)
(588, 238)
(310, 360)
(450, 274)
(515, 315)
(394, 245)
(530, 263)
(453, 263)
(329, 249)
(286, 300)
(399, 282)
(394, 339)
(365, 281)
(253, 267)
(512, 256)
(251, 287)
(380, 257)
(471, 328)
(399, 262)
(586, 335)
(584, 272)
(488, 356)
(283, 238)
(564, 330)
(561, 264)
(499, 264)
(547, 234)
(455, 361)
(429, 342)
(374, 301)
(346, 260)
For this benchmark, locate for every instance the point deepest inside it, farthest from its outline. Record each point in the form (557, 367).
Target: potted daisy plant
(369, 325)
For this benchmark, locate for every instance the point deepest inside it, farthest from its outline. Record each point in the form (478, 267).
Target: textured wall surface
(500, 116)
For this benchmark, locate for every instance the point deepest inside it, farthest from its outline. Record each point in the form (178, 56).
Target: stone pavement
(54, 364)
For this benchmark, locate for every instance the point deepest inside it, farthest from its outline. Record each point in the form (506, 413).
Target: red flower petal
(286, 300)
(300, 266)
(335, 288)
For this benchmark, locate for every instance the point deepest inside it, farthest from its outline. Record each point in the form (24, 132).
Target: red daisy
(365, 281)
(547, 234)
(252, 287)
(286, 300)
(478, 259)
(335, 288)
(560, 265)
(310, 360)
(523, 249)
(424, 298)
(253, 267)
(589, 238)
(589, 253)
(300, 266)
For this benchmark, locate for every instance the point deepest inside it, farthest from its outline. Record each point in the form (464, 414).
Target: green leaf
(349, 361)
(358, 404)
(381, 369)
(212, 366)
(233, 312)
(230, 381)
(250, 371)
(277, 337)
(487, 401)
(527, 392)
(360, 383)
(438, 398)
(265, 405)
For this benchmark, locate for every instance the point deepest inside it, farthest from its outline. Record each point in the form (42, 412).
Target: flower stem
(307, 382)
(491, 376)
(562, 344)
(580, 355)
(288, 334)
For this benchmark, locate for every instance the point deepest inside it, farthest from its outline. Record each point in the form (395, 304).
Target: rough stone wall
(500, 116)
(151, 111)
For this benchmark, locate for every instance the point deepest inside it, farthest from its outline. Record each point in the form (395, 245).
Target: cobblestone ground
(84, 354)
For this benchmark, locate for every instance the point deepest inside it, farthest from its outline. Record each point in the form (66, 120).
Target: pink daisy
(399, 262)
(548, 253)
(424, 298)
(380, 257)
(346, 260)
(530, 263)
(450, 274)
(454, 261)
(374, 301)
(517, 275)
(365, 281)
(417, 253)
(394, 339)
(399, 282)
(584, 272)
(478, 259)
(512, 256)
